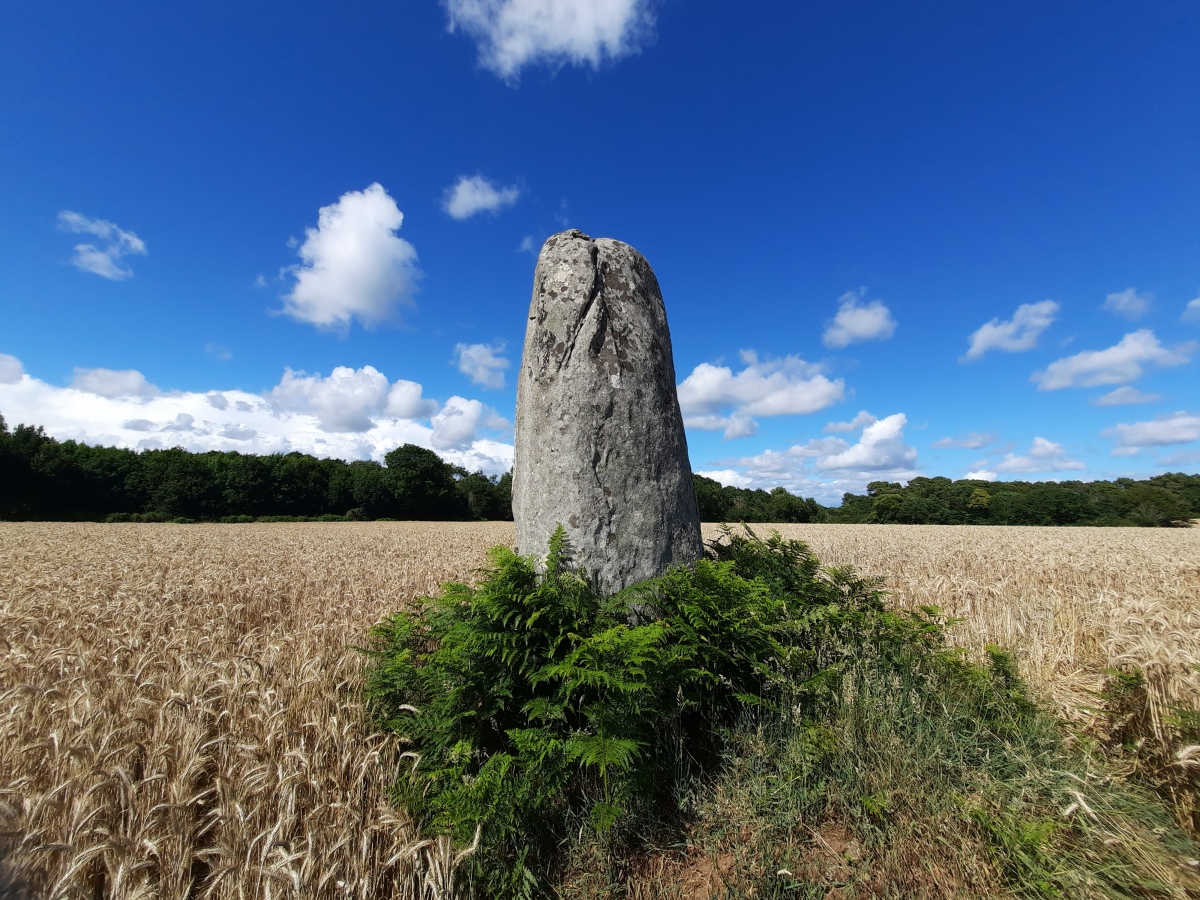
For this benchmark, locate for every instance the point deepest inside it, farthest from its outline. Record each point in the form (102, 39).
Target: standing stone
(600, 446)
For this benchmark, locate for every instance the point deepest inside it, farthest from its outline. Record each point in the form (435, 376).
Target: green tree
(980, 502)
(423, 484)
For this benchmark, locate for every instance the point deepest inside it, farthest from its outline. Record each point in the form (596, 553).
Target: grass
(180, 716)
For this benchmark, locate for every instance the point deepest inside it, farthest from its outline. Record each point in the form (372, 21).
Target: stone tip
(572, 233)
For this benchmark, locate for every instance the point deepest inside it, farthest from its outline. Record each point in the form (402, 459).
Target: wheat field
(179, 710)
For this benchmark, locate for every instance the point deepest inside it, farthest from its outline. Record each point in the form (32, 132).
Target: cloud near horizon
(512, 34)
(353, 265)
(975, 440)
(349, 414)
(1043, 456)
(825, 468)
(115, 244)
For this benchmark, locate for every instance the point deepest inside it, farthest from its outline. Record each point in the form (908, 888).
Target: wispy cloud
(1125, 396)
(511, 34)
(1016, 335)
(858, 321)
(974, 440)
(474, 194)
(1121, 363)
(1128, 304)
(104, 258)
(1176, 428)
(861, 420)
(1043, 456)
(353, 265)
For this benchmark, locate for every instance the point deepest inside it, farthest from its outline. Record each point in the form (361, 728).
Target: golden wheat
(1069, 602)
(179, 705)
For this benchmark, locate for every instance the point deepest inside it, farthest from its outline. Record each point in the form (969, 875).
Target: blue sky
(893, 239)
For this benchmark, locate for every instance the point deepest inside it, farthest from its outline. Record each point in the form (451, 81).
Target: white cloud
(1191, 312)
(456, 424)
(826, 467)
(115, 244)
(1043, 456)
(353, 265)
(511, 34)
(817, 448)
(1128, 304)
(783, 387)
(856, 321)
(527, 245)
(740, 425)
(183, 422)
(482, 363)
(475, 194)
(113, 383)
(1125, 396)
(348, 400)
(861, 420)
(706, 423)
(297, 415)
(972, 441)
(734, 426)
(727, 477)
(238, 433)
(11, 370)
(404, 401)
(1018, 334)
(881, 448)
(981, 475)
(1120, 363)
(1177, 428)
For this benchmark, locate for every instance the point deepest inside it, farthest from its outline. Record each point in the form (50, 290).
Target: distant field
(178, 704)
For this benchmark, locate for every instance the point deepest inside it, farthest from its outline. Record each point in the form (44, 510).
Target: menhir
(600, 447)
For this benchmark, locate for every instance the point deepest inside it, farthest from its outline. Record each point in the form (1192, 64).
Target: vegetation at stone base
(755, 702)
(43, 478)
(1163, 500)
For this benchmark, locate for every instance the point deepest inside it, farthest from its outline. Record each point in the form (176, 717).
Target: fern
(535, 705)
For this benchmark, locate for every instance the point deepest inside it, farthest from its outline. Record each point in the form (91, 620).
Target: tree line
(42, 478)
(1164, 500)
